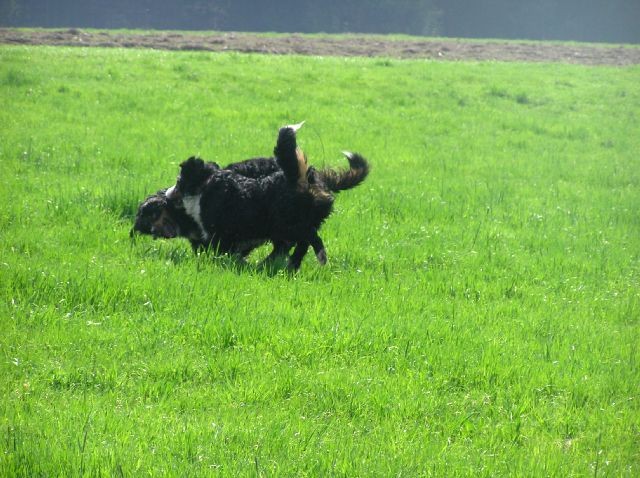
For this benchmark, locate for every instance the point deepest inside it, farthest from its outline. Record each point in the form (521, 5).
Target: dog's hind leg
(198, 246)
(318, 248)
(303, 246)
(298, 254)
(280, 249)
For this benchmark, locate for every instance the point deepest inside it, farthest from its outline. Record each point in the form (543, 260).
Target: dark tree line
(616, 21)
(331, 16)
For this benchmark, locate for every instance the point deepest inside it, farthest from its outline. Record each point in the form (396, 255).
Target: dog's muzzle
(166, 231)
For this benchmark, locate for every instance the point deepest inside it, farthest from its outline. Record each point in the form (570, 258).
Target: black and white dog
(238, 208)
(159, 217)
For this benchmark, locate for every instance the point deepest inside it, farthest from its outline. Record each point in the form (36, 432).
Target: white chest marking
(192, 208)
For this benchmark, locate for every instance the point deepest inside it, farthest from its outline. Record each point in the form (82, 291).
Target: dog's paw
(293, 265)
(322, 256)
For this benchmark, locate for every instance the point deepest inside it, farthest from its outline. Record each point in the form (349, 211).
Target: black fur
(340, 180)
(282, 207)
(160, 218)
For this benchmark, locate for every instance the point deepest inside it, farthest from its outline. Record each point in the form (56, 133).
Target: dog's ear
(194, 172)
(191, 166)
(192, 161)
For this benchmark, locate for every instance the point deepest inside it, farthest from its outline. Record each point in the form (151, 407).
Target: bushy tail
(288, 156)
(346, 179)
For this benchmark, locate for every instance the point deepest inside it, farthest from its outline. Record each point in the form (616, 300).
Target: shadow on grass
(166, 251)
(162, 250)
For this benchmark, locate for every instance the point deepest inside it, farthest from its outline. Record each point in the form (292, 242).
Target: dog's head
(155, 218)
(194, 173)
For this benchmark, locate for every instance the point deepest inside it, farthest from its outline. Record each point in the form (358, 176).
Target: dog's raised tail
(347, 179)
(288, 156)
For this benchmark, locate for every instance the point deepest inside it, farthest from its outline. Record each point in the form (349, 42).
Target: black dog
(286, 207)
(231, 209)
(160, 217)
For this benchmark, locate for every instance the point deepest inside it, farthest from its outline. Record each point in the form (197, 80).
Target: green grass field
(479, 315)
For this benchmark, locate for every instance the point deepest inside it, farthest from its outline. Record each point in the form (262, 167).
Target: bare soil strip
(367, 46)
